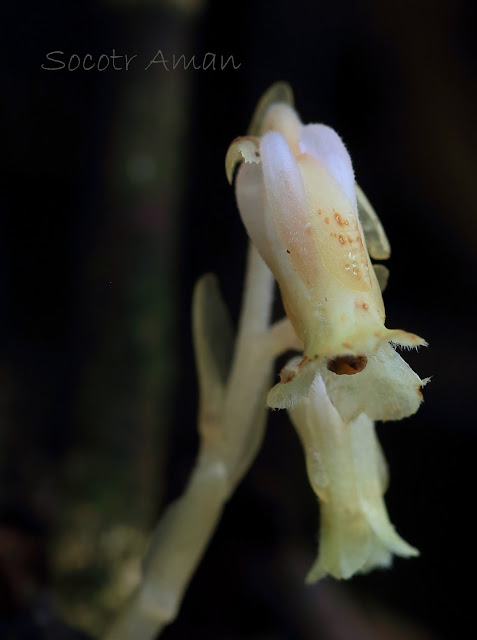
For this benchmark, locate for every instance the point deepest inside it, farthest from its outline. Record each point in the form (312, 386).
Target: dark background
(115, 201)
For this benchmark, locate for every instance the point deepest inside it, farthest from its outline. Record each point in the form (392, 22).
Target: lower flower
(348, 473)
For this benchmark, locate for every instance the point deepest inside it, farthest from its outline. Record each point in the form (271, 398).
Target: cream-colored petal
(283, 118)
(369, 481)
(334, 226)
(387, 389)
(325, 145)
(278, 93)
(344, 467)
(375, 391)
(296, 379)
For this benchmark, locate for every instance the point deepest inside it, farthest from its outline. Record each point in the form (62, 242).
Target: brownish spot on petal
(286, 376)
(347, 365)
(327, 220)
(341, 221)
(341, 239)
(320, 212)
(307, 359)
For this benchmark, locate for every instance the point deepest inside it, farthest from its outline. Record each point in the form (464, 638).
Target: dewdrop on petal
(298, 201)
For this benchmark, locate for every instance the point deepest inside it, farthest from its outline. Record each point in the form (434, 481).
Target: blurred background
(115, 201)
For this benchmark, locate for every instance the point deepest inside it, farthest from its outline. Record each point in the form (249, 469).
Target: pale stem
(187, 525)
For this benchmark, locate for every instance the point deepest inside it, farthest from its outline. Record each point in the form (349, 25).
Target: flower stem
(182, 534)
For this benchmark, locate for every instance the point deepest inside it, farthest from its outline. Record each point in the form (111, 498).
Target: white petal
(325, 145)
(287, 213)
(250, 194)
(283, 182)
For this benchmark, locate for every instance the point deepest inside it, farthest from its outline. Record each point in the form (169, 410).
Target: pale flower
(313, 226)
(298, 201)
(347, 471)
